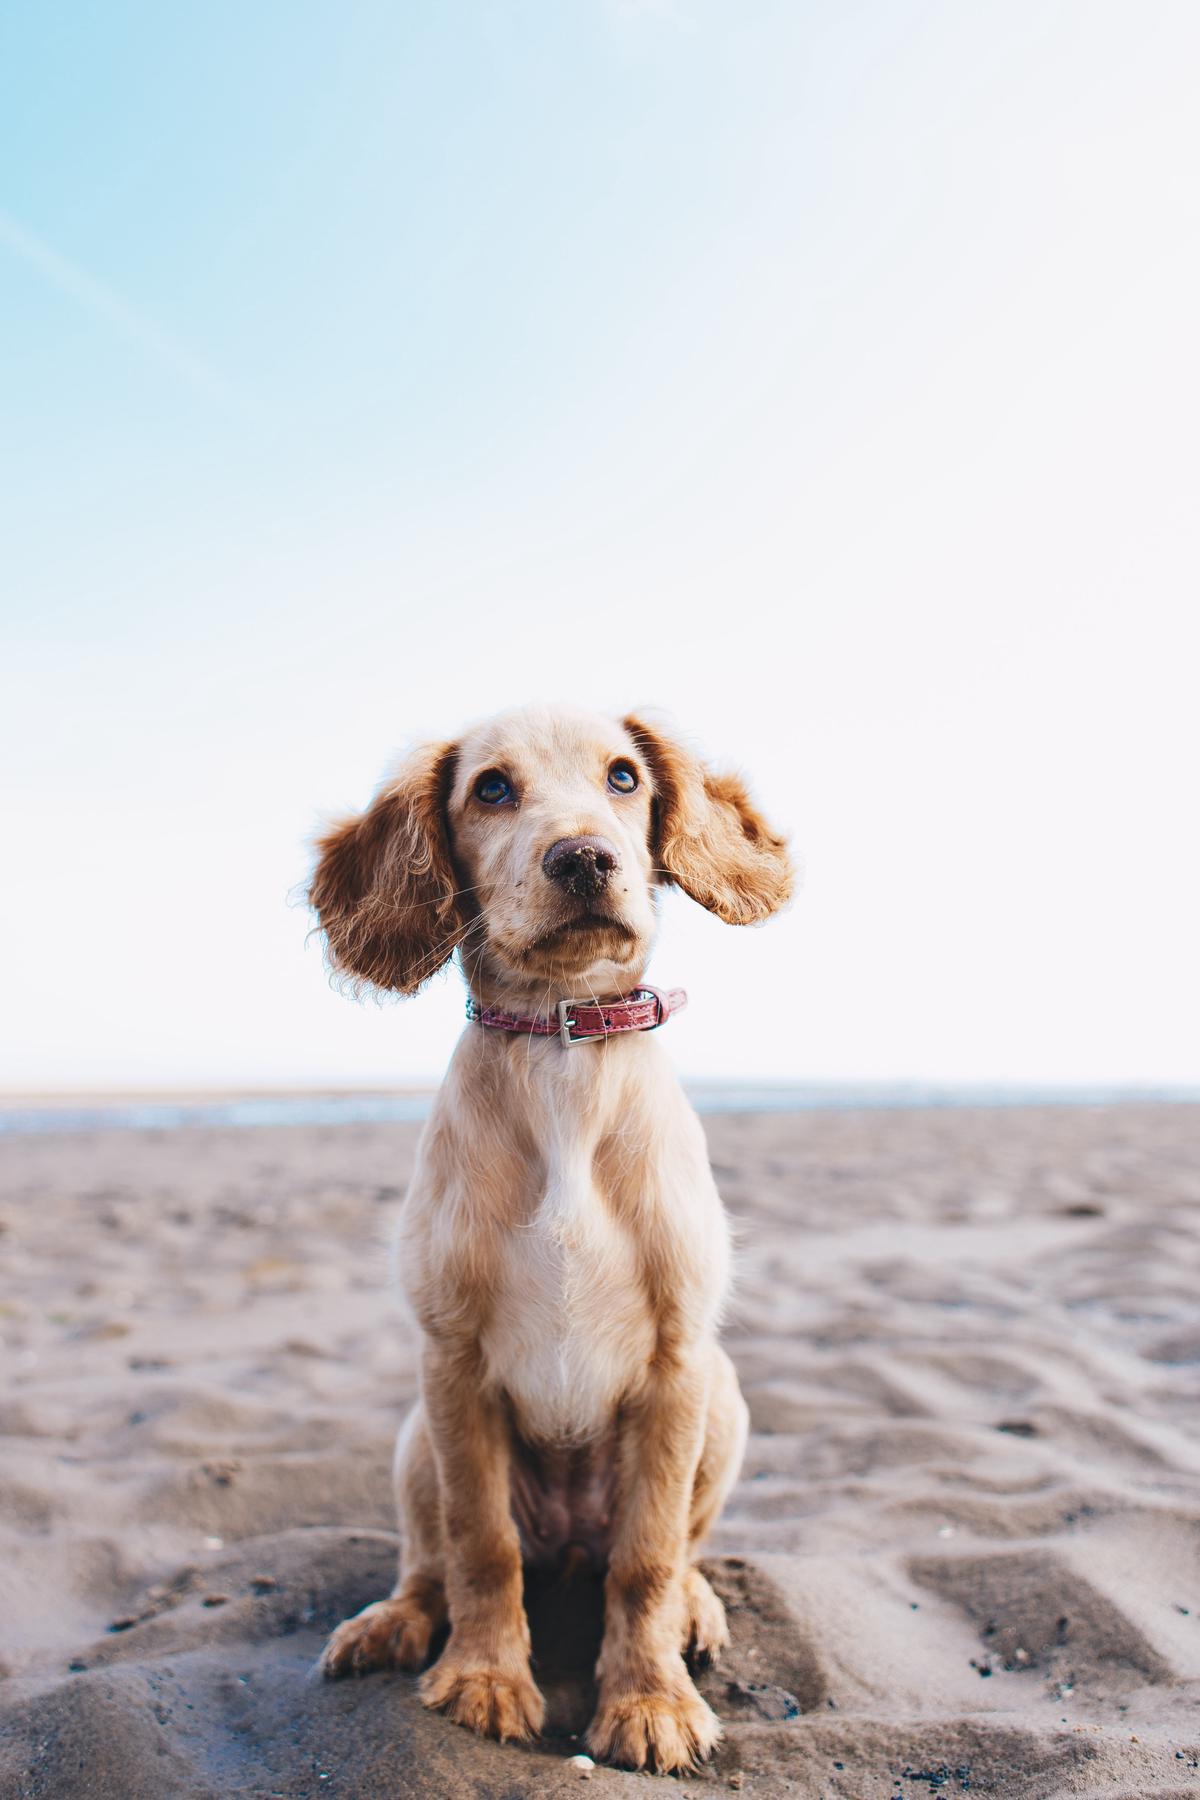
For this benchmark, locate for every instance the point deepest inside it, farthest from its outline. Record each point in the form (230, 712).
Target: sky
(824, 374)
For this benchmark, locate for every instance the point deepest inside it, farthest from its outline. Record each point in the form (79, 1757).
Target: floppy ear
(708, 837)
(384, 888)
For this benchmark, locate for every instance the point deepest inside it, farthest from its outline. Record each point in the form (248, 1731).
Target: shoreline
(255, 1108)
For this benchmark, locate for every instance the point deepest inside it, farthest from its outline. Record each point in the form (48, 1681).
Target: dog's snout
(581, 865)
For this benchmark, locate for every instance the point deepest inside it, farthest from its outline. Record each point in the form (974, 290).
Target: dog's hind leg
(706, 1633)
(395, 1633)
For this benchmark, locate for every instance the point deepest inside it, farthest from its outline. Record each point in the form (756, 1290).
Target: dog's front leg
(649, 1713)
(482, 1677)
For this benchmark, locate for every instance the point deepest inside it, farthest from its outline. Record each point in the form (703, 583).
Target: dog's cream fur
(563, 1245)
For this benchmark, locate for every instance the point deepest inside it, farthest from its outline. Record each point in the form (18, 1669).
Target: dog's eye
(621, 778)
(493, 787)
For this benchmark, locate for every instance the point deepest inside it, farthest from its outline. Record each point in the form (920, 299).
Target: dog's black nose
(581, 865)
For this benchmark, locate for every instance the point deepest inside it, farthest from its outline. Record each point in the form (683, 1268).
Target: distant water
(248, 1110)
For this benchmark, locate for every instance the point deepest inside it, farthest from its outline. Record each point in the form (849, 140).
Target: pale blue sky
(826, 374)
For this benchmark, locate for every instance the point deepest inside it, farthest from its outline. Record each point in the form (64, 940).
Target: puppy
(563, 1246)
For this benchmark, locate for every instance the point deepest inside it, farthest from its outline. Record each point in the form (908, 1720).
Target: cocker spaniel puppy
(563, 1246)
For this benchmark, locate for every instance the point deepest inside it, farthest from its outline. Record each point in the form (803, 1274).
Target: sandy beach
(964, 1555)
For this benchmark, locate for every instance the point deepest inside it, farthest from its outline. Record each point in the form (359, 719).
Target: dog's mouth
(593, 924)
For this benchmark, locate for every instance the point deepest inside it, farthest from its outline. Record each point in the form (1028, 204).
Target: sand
(964, 1556)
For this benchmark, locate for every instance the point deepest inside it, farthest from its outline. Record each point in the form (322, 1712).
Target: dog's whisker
(440, 899)
(445, 947)
(453, 941)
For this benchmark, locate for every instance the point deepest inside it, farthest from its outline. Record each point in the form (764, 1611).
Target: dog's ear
(708, 837)
(385, 888)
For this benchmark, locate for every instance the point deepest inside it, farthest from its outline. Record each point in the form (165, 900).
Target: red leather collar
(583, 1021)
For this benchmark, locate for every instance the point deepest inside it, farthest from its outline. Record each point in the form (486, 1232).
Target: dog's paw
(391, 1634)
(707, 1633)
(670, 1728)
(500, 1704)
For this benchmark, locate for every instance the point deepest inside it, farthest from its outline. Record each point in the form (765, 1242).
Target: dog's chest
(569, 1329)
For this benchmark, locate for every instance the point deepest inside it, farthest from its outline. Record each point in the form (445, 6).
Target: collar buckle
(566, 1023)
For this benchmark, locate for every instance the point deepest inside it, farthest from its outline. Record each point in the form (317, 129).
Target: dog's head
(536, 843)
